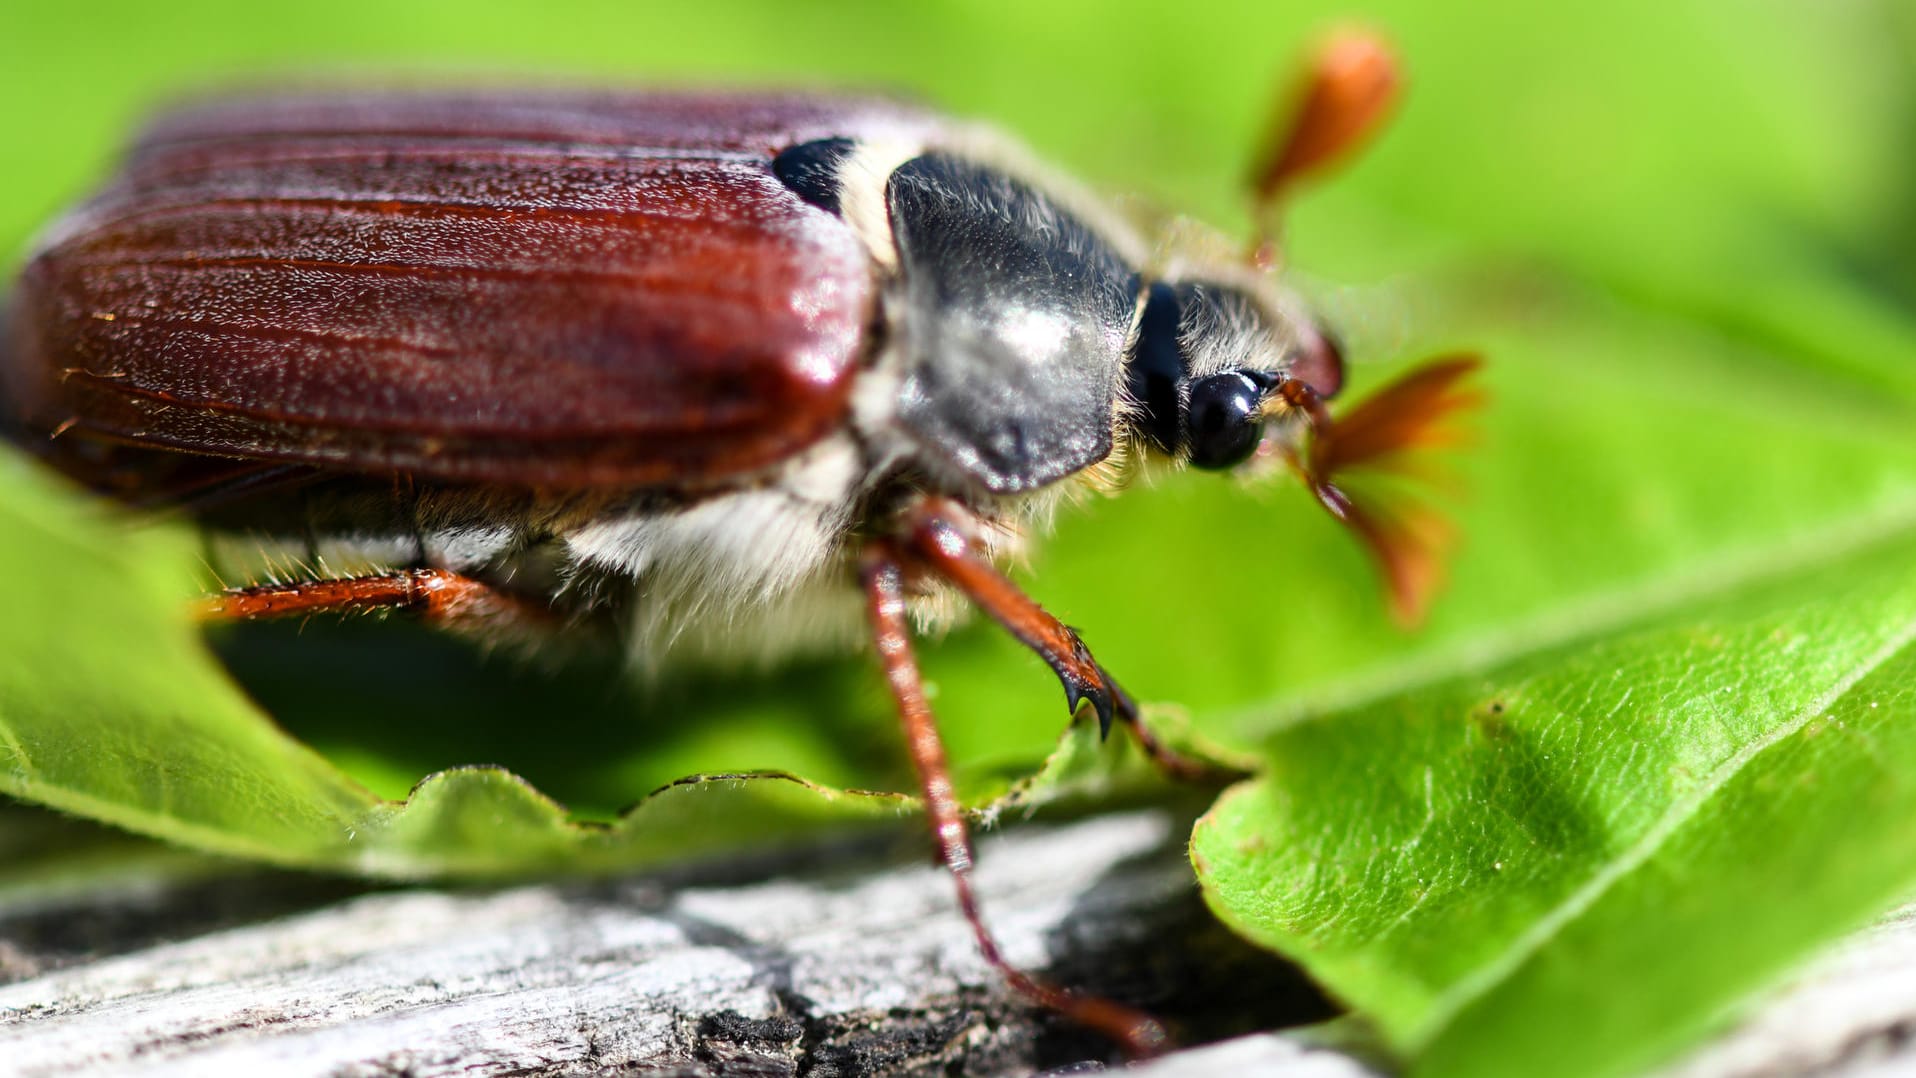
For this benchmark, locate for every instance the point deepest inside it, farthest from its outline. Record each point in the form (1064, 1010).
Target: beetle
(741, 374)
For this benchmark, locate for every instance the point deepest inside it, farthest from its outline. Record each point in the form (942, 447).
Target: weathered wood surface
(848, 960)
(854, 964)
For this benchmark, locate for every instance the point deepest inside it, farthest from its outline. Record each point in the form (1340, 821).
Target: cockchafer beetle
(738, 373)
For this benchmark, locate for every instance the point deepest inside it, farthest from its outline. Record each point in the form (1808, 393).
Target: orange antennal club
(1349, 84)
(1406, 537)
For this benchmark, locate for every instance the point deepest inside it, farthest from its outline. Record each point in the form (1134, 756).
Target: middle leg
(882, 574)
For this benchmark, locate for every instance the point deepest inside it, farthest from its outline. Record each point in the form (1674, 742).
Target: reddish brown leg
(883, 574)
(436, 594)
(936, 532)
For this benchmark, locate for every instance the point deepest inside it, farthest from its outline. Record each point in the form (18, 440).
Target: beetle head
(1209, 364)
(1220, 372)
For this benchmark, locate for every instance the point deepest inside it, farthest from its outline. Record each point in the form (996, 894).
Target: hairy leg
(437, 595)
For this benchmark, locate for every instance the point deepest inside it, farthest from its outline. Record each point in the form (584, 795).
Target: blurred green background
(1683, 235)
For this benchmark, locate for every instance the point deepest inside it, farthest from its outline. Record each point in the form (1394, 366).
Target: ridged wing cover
(551, 289)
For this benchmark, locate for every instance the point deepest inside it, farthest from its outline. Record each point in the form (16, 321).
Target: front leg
(936, 533)
(936, 536)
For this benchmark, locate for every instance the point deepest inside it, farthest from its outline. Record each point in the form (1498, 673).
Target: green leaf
(1648, 756)
(1602, 843)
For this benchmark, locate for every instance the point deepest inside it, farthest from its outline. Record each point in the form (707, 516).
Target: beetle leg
(436, 594)
(882, 573)
(935, 533)
(1169, 761)
(936, 537)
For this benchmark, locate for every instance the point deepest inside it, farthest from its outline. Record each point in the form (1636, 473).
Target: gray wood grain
(838, 960)
(847, 963)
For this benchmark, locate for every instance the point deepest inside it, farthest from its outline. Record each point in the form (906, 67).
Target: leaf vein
(1468, 988)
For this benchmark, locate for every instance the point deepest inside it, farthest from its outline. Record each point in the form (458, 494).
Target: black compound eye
(1221, 423)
